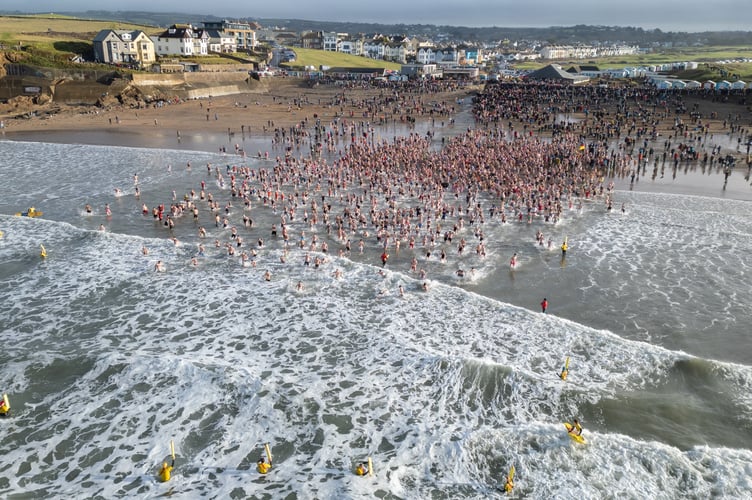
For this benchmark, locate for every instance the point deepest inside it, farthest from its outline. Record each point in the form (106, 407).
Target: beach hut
(693, 84)
(663, 85)
(738, 85)
(708, 85)
(723, 85)
(679, 84)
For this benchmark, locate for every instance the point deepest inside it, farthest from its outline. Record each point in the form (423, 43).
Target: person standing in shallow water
(544, 305)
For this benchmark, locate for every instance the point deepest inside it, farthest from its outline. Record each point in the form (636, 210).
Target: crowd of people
(339, 185)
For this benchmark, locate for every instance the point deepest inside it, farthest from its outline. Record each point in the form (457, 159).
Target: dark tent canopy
(553, 72)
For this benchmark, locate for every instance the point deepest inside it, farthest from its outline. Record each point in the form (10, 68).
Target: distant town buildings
(585, 51)
(419, 58)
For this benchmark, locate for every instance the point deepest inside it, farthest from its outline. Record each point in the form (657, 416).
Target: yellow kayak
(30, 213)
(575, 437)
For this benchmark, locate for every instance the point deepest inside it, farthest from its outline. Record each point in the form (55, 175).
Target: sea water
(106, 361)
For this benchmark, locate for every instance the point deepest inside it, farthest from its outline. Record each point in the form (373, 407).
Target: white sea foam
(107, 360)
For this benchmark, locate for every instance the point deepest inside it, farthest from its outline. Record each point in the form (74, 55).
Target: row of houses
(586, 51)
(136, 48)
(395, 48)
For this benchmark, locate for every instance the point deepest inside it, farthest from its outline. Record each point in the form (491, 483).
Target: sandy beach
(283, 103)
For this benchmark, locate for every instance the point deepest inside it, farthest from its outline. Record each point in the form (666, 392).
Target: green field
(48, 30)
(317, 58)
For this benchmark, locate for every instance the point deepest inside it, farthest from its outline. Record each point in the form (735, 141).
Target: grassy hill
(52, 28)
(50, 40)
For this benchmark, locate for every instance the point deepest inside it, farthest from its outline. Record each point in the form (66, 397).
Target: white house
(373, 49)
(243, 32)
(448, 55)
(395, 52)
(426, 55)
(330, 41)
(222, 41)
(351, 46)
(182, 40)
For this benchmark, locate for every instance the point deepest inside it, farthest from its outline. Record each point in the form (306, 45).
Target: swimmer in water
(166, 471)
(361, 469)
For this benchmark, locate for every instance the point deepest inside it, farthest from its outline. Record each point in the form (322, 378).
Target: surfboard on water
(565, 371)
(575, 437)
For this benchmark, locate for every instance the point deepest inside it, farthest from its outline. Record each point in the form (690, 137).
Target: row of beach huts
(671, 83)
